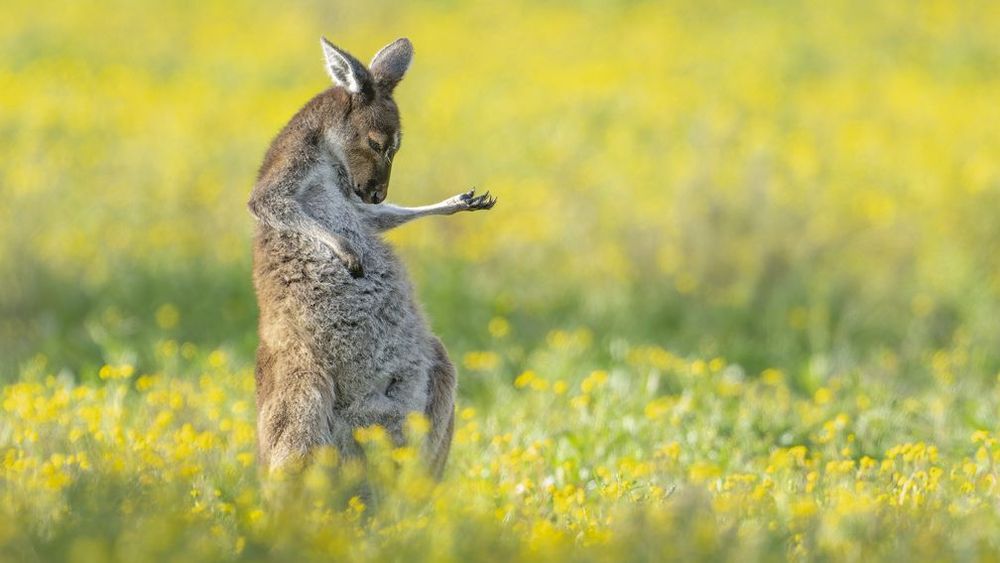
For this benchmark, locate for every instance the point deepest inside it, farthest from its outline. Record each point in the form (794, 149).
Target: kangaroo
(343, 343)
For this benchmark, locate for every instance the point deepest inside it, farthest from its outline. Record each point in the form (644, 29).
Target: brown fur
(343, 342)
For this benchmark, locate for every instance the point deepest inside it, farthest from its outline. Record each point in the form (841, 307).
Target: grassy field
(739, 300)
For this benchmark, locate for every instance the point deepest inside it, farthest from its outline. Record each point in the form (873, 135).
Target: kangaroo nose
(377, 197)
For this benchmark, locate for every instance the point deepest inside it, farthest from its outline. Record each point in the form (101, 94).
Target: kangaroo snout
(372, 192)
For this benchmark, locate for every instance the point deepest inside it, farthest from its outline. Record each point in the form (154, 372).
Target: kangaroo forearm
(387, 216)
(282, 211)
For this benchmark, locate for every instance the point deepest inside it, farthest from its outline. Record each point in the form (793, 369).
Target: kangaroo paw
(472, 202)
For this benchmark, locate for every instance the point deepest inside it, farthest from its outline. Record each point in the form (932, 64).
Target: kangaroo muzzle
(374, 191)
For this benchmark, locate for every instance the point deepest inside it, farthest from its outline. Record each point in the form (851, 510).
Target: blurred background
(807, 186)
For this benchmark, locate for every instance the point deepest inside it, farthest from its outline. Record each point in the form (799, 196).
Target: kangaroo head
(368, 134)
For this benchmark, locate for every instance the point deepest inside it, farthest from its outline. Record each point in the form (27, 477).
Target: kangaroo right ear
(346, 71)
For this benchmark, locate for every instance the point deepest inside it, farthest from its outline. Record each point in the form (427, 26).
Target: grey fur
(343, 342)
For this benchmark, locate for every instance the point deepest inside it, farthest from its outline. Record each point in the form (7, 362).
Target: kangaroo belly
(364, 333)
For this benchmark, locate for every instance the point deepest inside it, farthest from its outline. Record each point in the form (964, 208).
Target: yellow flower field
(739, 299)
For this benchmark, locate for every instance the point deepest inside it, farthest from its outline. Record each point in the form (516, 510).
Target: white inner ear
(340, 69)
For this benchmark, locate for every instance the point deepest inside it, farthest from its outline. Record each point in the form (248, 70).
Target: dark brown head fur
(357, 120)
(369, 128)
(371, 141)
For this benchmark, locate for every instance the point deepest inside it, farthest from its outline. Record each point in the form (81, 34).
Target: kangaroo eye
(375, 146)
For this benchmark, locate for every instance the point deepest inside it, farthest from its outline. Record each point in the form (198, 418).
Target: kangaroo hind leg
(294, 419)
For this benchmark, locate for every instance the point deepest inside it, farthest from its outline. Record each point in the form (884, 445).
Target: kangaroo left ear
(390, 63)
(346, 71)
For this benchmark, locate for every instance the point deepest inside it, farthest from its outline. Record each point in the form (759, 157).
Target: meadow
(739, 299)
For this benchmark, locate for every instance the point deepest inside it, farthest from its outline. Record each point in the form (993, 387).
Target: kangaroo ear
(390, 64)
(346, 71)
